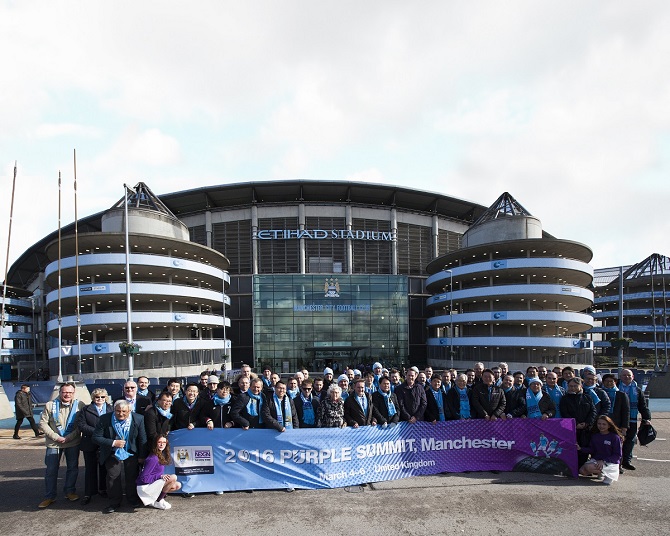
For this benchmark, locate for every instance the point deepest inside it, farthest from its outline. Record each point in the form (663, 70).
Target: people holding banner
(556, 392)
(459, 399)
(248, 405)
(411, 398)
(638, 407)
(358, 408)
(579, 406)
(536, 403)
(95, 474)
(279, 411)
(218, 414)
(59, 424)
(152, 484)
(331, 409)
(187, 410)
(158, 419)
(605, 448)
(488, 401)
(307, 404)
(386, 402)
(123, 442)
(437, 409)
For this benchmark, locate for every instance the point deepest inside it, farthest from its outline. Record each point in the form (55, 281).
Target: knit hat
(213, 379)
(342, 377)
(376, 365)
(327, 370)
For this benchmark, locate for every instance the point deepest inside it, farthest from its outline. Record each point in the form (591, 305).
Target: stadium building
(302, 273)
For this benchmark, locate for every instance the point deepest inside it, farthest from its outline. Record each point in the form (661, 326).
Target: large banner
(236, 459)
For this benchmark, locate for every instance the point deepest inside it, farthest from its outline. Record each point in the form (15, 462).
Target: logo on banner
(331, 288)
(193, 460)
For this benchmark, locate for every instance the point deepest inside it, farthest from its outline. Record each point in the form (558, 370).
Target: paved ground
(474, 503)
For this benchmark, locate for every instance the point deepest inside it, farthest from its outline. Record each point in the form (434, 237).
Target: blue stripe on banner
(235, 459)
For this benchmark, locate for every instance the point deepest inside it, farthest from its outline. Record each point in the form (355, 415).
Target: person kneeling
(605, 449)
(152, 484)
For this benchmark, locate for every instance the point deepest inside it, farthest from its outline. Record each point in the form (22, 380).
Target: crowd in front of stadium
(129, 436)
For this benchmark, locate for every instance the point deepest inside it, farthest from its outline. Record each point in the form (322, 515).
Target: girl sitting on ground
(152, 484)
(605, 449)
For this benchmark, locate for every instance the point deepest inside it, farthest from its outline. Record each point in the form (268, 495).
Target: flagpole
(9, 238)
(60, 318)
(76, 270)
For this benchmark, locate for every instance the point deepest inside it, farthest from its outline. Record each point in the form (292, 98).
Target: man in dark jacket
(579, 406)
(358, 408)
(411, 398)
(600, 399)
(488, 401)
(279, 410)
(187, 409)
(307, 404)
(638, 407)
(619, 403)
(123, 447)
(24, 411)
(437, 408)
(386, 402)
(137, 402)
(248, 406)
(158, 419)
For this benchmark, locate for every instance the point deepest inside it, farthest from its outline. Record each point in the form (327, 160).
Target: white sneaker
(166, 505)
(607, 481)
(159, 505)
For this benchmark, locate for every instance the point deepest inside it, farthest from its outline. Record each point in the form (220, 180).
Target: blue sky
(565, 105)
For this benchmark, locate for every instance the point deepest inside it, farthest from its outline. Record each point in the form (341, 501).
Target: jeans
(52, 461)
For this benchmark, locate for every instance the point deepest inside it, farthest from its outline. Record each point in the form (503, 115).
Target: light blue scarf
(143, 392)
(363, 403)
(556, 393)
(122, 429)
(284, 415)
(440, 403)
(631, 391)
(69, 423)
(101, 409)
(164, 412)
(591, 390)
(464, 402)
(307, 410)
(533, 404)
(253, 409)
(292, 393)
(390, 406)
(218, 401)
(611, 393)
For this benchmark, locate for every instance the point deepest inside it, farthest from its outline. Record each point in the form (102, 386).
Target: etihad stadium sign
(322, 234)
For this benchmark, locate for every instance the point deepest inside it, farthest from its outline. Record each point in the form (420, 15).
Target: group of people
(130, 437)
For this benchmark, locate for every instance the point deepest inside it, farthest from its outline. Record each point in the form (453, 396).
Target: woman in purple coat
(152, 484)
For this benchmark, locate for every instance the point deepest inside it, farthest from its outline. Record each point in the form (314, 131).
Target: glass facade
(329, 320)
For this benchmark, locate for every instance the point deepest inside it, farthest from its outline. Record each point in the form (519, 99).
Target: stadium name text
(322, 234)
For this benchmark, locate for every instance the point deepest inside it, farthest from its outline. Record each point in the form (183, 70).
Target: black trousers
(629, 442)
(31, 421)
(116, 470)
(95, 475)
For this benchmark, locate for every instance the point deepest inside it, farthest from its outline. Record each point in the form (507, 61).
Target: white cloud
(54, 130)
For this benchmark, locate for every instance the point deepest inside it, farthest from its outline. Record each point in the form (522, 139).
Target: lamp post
(451, 316)
(129, 327)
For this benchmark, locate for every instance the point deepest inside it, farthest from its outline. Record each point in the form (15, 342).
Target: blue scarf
(122, 429)
(390, 406)
(611, 393)
(631, 391)
(345, 395)
(164, 412)
(533, 404)
(556, 393)
(252, 408)
(445, 387)
(266, 382)
(192, 404)
(440, 403)
(292, 393)
(143, 392)
(101, 409)
(307, 410)
(218, 401)
(591, 390)
(363, 403)
(284, 415)
(464, 402)
(69, 423)
(370, 390)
